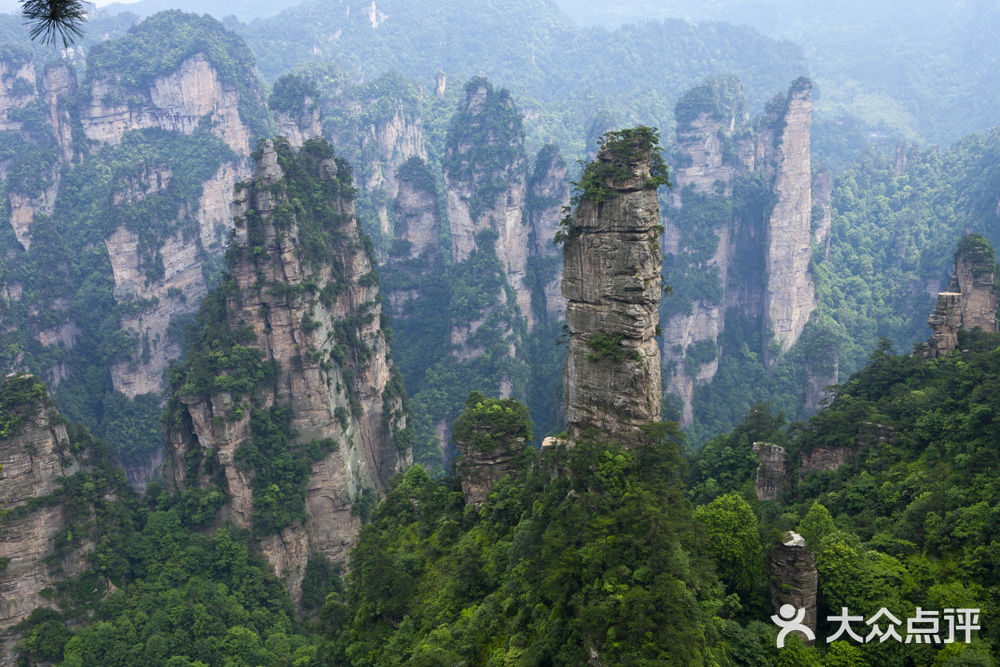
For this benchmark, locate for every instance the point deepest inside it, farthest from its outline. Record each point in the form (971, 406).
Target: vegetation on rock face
(489, 423)
(485, 145)
(20, 397)
(620, 154)
(591, 551)
(721, 97)
(293, 94)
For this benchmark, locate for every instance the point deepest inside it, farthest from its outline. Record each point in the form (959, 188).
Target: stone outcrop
(380, 128)
(772, 471)
(416, 255)
(313, 312)
(792, 576)
(486, 457)
(759, 248)
(612, 285)
(99, 185)
(295, 105)
(34, 455)
(945, 322)
(971, 300)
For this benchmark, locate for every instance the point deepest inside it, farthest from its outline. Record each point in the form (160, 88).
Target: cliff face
(34, 454)
(486, 185)
(176, 101)
(295, 105)
(971, 300)
(772, 471)
(378, 128)
(302, 294)
(548, 195)
(134, 173)
(791, 296)
(612, 284)
(738, 230)
(491, 436)
(416, 253)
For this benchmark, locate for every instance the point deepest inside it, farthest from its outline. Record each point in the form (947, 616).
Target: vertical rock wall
(971, 300)
(738, 228)
(34, 455)
(612, 285)
(791, 296)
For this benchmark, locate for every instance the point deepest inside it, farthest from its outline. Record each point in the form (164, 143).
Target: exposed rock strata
(489, 127)
(337, 387)
(791, 297)
(772, 471)
(762, 240)
(612, 284)
(548, 195)
(32, 460)
(177, 101)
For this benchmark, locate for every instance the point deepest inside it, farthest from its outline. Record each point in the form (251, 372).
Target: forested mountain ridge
(891, 485)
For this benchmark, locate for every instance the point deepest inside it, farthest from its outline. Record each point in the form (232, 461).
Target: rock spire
(612, 284)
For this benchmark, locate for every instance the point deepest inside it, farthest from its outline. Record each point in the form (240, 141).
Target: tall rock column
(612, 284)
(791, 295)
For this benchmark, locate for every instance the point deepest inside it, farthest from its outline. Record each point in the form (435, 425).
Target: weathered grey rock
(762, 264)
(970, 302)
(772, 472)
(792, 576)
(480, 469)
(278, 295)
(791, 297)
(612, 284)
(548, 195)
(466, 181)
(945, 321)
(32, 459)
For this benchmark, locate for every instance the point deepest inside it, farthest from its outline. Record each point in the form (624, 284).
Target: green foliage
(732, 540)
(293, 94)
(21, 397)
(487, 424)
(977, 251)
(721, 97)
(580, 554)
(485, 145)
(567, 72)
(610, 348)
(816, 526)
